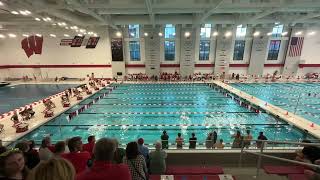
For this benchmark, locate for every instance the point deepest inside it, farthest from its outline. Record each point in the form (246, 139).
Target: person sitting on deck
(179, 141)
(192, 141)
(237, 140)
(15, 118)
(261, 137)
(219, 145)
(165, 140)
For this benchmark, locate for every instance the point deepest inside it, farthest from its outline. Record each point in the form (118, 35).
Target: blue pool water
(12, 97)
(132, 111)
(293, 97)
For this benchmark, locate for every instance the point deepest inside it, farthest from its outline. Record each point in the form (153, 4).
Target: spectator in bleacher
(59, 148)
(12, 165)
(33, 155)
(192, 141)
(89, 146)
(102, 166)
(54, 169)
(247, 139)
(44, 151)
(144, 150)
(179, 141)
(209, 141)
(76, 157)
(237, 140)
(310, 154)
(158, 160)
(219, 145)
(261, 137)
(165, 140)
(135, 161)
(119, 153)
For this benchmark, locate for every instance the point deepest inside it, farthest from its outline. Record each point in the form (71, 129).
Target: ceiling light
(276, 23)
(269, 33)
(118, 34)
(95, 35)
(160, 34)
(54, 24)
(82, 30)
(37, 19)
(1, 3)
(12, 35)
(257, 33)
(146, 34)
(66, 35)
(74, 27)
(132, 34)
(80, 35)
(173, 34)
(14, 12)
(90, 32)
(63, 24)
(25, 35)
(187, 34)
(25, 12)
(77, 30)
(39, 35)
(284, 33)
(2, 36)
(53, 35)
(215, 33)
(66, 27)
(228, 33)
(48, 19)
(298, 33)
(311, 33)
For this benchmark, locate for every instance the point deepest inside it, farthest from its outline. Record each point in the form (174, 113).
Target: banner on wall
(79, 41)
(117, 49)
(32, 45)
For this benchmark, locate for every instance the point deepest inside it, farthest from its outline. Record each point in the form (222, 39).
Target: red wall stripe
(204, 65)
(238, 65)
(58, 66)
(308, 65)
(273, 65)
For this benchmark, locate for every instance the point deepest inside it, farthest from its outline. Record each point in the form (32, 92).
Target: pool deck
(9, 134)
(291, 118)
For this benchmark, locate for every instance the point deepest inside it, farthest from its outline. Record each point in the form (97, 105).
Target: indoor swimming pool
(303, 99)
(12, 97)
(132, 111)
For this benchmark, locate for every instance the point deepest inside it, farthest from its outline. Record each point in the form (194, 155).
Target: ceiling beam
(306, 17)
(150, 11)
(210, 11)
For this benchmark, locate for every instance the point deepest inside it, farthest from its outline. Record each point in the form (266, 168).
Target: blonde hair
(54, 169)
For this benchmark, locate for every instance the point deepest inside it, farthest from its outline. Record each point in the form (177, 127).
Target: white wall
(311, 46)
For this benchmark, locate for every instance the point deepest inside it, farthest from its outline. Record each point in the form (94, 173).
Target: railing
(260, 154)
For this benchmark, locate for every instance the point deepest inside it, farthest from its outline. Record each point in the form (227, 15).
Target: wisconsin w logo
(32, 45)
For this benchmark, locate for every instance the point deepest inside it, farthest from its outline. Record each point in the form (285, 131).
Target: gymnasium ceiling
(112, 13)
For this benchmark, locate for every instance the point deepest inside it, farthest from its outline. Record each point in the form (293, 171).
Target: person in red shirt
(89, 146)
(103, 168)
(76, 157)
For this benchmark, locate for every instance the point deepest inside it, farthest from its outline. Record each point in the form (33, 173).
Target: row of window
(204, 46)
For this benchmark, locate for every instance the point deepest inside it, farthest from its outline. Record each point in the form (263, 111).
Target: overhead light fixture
(146, 34)
(257, 33)
(118, 34)
(48, 19)
(269, 33)
(173, 34)
(284, 33)
(80, 35)
(54, 24)
(37, 19)
(12, 35)
(132, 34)
(25, 35)
(215, 33)
(187, 34)
(160, 34)
(228, 34)
(311, 33)
(82, 30)
(14, 12)
(95, 35)
(2, 36)
(298, 33)
(66, 35)
(39, 35)
(66, 27)
(277, 23)
(74, 27)
(1, 3)
(25, 12)
(53, 35)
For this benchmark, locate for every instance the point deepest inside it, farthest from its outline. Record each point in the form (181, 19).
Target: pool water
(302, 99)
(12, 97)
(132, 111)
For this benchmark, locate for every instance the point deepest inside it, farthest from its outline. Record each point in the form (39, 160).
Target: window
(169, 50)
(277, 30)
(274, 49)
(238, 52)
(133, 31)
(205, 31)
(169, 31)
(204, 50)
(134, 50)
(241, 31)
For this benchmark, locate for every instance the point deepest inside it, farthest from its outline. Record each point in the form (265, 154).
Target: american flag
(296, 46)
